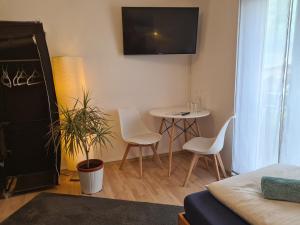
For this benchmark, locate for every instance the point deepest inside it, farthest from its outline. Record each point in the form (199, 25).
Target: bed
(201, 209)
(238, 200)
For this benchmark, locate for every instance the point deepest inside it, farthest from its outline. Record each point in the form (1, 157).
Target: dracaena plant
(80, 128)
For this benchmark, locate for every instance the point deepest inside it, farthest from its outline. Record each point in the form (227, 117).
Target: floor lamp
(69, 81)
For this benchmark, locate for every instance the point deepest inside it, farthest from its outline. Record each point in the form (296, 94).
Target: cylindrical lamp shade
(69, 79)
(69, 82)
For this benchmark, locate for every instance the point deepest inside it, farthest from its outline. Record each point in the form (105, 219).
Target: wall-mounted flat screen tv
(159, 30)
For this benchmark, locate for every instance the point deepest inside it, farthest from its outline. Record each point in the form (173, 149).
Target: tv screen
(159, 30)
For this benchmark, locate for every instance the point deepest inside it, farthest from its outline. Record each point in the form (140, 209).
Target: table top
(175, 113)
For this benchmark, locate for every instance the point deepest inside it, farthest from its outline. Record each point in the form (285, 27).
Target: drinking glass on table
(194, 107)
(189, 106)
(198, 107)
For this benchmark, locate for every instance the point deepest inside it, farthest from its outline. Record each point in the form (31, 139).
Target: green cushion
(281, 189)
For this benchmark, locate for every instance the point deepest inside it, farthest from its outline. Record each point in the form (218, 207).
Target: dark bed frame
(203, 208)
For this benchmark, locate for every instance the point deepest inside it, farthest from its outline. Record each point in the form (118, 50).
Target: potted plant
(83, 128)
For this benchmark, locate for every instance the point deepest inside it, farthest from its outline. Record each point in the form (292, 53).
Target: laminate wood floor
(155, 186)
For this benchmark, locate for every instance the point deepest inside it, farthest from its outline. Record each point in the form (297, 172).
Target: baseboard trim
(162, 155)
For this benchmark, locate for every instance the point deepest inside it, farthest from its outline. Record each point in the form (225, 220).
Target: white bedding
(243, 195)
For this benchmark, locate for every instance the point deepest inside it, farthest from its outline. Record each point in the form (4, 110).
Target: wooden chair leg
(160, 131)
(141, 161)
(216, 166)
(194, 160)
(221, 165)
(204, 160)
(195, 165)
(156, 155)
(206, 163)
(125, 156)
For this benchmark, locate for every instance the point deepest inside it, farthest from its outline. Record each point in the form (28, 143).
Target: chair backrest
(131, 123)
(218, 144)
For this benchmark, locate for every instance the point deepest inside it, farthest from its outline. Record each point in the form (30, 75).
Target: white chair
(136, 134)
(208, 148)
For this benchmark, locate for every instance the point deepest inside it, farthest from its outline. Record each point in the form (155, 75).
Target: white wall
(213, 68)
(92, 29)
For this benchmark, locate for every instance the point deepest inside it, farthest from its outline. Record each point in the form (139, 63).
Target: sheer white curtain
(264, 37)
(290, 148)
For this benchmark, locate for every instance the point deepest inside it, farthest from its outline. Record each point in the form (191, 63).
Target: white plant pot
(91, 180)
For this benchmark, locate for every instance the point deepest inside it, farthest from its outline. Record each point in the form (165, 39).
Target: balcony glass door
(265, 71)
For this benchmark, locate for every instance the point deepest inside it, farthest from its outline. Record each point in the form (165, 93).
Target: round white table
(170, 120)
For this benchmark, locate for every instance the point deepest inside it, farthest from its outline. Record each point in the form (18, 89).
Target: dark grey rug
(58, 209)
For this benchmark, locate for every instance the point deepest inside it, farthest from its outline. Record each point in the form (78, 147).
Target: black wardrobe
(27, 107)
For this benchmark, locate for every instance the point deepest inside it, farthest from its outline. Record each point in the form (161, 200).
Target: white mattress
(243, 195)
